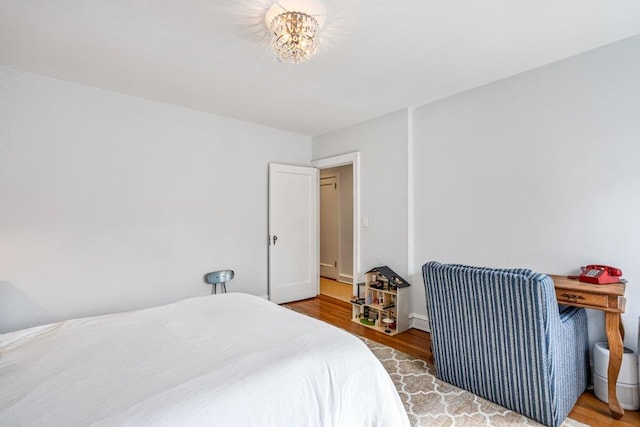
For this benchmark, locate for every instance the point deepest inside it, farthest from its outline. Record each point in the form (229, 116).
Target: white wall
(346, 223)
(540, 170)
(382, 144)
(110, 202)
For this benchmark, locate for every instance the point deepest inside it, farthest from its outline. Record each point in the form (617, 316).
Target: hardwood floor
(338, 313)
(588, 410)
(335, 289)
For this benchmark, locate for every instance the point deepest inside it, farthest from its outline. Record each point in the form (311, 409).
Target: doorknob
(274, 239)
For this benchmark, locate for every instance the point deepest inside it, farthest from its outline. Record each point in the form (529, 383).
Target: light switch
(365, 221)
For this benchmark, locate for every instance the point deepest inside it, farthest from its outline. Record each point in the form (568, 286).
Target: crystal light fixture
(294, 27)
(295, 36)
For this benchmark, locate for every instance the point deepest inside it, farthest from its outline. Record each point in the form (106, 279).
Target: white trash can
(627, 387)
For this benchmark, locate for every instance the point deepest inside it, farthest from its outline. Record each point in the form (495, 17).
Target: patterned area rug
(429, 401)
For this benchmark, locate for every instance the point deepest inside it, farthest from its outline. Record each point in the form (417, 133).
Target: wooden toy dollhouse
(384, 302)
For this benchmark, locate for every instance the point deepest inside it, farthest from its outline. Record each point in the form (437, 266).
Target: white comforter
(226, 360)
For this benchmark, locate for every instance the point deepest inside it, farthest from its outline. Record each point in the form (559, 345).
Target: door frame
(342, 160)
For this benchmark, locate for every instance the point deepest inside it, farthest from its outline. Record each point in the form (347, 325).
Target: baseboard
(419, 321)
(345, 278)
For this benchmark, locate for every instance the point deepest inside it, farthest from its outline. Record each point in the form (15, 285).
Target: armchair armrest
(571, 356)
(567, 312)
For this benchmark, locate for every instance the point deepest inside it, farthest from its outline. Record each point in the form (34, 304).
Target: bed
(230, 359)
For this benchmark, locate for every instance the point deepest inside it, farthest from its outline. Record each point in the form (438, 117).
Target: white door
(329, 227)
(293, 233)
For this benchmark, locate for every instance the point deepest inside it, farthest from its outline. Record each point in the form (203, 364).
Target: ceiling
(376, 56)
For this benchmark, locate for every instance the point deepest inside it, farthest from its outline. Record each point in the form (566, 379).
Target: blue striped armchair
(500, 334)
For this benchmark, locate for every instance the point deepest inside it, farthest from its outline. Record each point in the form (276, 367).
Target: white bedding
(228, 360)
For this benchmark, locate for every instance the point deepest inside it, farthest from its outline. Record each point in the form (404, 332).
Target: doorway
(285, 181)
(338, 233)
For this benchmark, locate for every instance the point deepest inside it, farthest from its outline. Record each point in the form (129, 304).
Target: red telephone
(600, 274)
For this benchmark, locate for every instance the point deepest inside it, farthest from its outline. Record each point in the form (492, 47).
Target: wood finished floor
(335, 289)
(588, 410)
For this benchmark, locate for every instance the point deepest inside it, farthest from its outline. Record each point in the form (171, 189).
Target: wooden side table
(610, 299)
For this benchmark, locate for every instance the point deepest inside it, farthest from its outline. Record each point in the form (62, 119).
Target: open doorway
(353, 160)
(336, 232)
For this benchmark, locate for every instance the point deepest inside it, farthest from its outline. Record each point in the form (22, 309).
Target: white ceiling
(376, 56)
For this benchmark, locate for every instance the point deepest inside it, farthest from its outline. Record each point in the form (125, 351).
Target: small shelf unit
(384, 302)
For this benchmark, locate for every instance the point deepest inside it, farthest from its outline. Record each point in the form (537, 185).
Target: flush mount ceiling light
(295, 36)
(295, 28)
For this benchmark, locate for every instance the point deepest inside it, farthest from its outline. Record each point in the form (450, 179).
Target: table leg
(613, 325)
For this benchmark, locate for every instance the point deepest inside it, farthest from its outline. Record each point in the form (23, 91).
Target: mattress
(229, 359)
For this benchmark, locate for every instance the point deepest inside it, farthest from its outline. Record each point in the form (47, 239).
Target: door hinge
(335, 185)
(335, 263)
